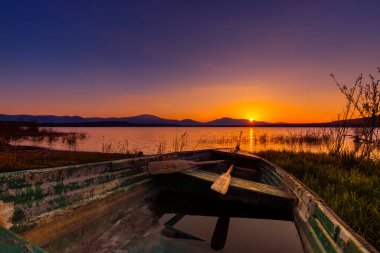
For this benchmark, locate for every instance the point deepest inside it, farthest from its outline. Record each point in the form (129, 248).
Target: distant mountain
(237, 122)
(228, 122)
(144, 119)
(191, 122)
(152, 120)
(43, 118)
(147, 119)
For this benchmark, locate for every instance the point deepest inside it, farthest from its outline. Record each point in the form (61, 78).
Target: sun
(251, 120)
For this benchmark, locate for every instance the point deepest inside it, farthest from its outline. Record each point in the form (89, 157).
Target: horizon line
(148, 114)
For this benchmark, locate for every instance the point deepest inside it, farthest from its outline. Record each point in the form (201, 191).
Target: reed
(179, 142)
(161, 146)
(351, 192)
(123, 147)
(106, 146)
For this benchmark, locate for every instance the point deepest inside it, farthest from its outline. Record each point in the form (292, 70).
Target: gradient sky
(269, 60)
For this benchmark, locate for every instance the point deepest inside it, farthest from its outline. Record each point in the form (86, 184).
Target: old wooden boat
(118, 207)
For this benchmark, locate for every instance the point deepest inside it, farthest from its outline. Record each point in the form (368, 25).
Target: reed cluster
(290, 138)
(14, 132)
(121, 147)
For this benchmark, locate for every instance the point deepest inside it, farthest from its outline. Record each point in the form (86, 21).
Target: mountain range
(141, 120)
(144, 119)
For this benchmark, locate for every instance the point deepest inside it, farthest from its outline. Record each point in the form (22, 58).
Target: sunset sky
(269, 60)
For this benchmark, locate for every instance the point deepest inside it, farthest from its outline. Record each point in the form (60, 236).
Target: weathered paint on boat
(43, 205)
(12, 243)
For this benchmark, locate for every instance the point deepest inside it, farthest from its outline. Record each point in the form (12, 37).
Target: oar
(172, 166)
(222, 183)
(220, 233)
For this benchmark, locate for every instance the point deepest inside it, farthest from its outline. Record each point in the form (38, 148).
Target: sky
(268, 60)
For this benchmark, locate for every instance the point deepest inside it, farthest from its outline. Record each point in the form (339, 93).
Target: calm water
(148, 139)
(201, 224)
(241, 235)
(198, 224)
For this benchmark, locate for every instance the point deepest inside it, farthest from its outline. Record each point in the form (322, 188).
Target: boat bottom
(174, 221)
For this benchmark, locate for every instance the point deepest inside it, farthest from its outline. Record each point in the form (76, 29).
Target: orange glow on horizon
(245, 100)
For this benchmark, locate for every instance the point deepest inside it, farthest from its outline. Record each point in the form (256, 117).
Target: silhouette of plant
(106, 146)
(179, 142)
(161, 146)
(363, 102)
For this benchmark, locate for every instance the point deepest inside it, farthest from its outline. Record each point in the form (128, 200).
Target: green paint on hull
(12, 243)
(324, 220)
(322, 236)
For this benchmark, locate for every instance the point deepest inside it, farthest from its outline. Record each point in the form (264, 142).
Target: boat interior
(182, 214)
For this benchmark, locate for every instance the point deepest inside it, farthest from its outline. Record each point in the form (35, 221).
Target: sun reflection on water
(251, 139)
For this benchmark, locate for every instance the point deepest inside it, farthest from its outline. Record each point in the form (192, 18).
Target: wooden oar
(220, 233)
(222, 183)
(172, 166)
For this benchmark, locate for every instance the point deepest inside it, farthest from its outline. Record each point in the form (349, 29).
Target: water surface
(148, 139)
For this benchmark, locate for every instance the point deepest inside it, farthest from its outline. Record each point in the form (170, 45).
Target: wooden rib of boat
(105, 207)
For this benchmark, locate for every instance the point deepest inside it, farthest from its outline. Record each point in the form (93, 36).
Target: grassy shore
(27, 157)
(353, 194)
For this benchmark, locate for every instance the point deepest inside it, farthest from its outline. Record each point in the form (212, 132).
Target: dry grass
(33, 158)
(179, 142)
(161, 146)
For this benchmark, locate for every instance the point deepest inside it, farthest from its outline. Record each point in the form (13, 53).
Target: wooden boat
(118, 206)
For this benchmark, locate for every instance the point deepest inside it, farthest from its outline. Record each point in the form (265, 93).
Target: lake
(152, 140)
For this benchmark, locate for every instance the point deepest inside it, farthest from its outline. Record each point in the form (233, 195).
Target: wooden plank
(242, 184)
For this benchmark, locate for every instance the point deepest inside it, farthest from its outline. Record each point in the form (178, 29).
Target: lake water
(241, 235)
(149, 139)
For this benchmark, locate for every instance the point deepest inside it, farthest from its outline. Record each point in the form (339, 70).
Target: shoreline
(17, 158)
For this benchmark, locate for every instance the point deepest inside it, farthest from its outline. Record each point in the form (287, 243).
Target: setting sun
(251, 119)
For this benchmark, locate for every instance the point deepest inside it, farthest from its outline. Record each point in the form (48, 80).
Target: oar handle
(209, 162)
(230, 169)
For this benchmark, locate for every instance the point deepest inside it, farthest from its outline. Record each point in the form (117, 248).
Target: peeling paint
(6, 214)
(33, 193)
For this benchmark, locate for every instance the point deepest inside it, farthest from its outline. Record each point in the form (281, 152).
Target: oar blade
(169, 166)
(222, 183)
